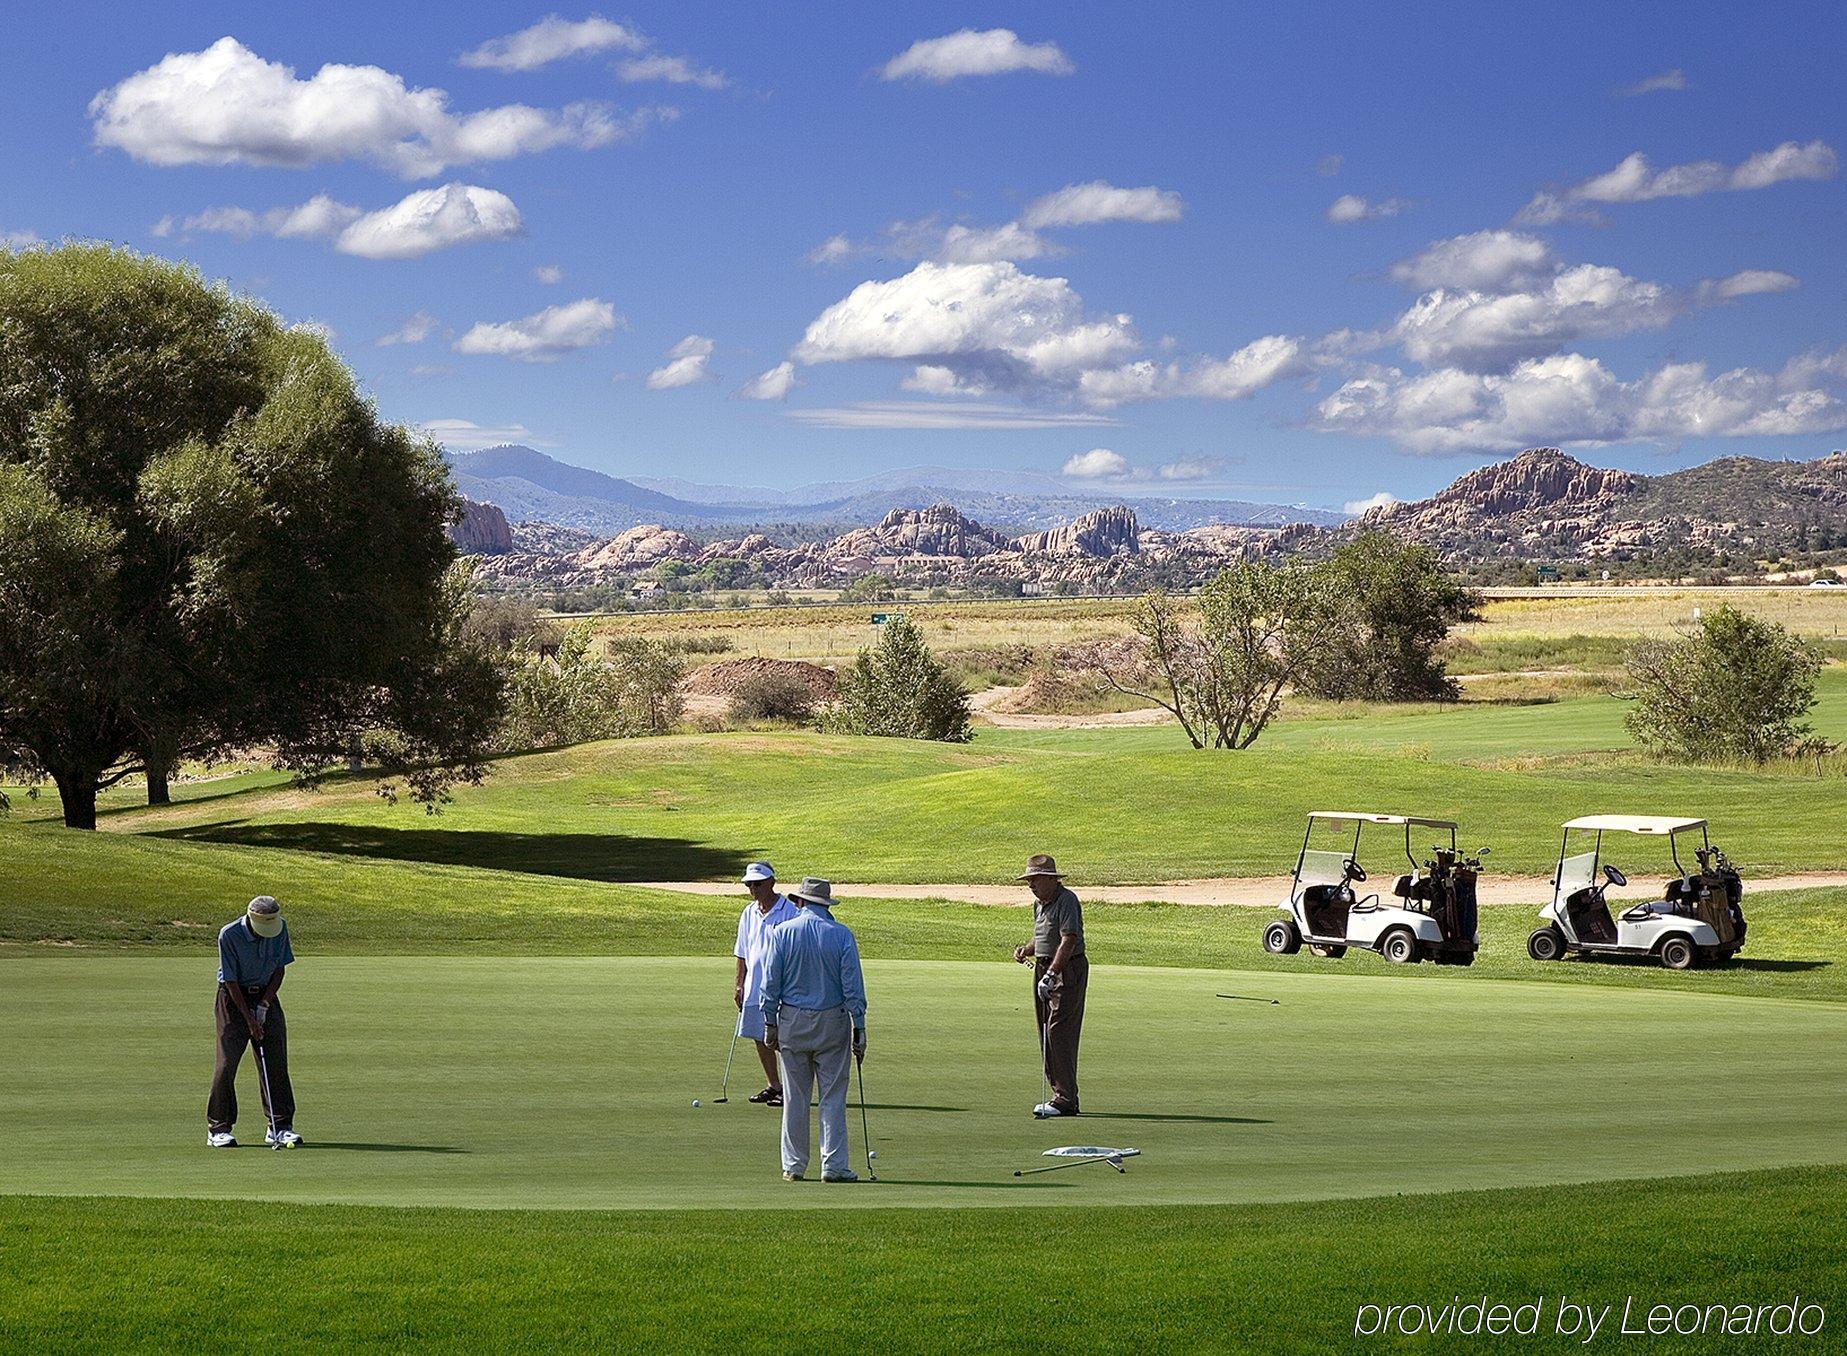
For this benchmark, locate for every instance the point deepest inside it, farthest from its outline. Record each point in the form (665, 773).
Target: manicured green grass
(186, 1276)
(568, 1082)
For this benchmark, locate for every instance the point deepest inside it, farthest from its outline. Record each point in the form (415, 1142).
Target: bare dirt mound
(724, 679)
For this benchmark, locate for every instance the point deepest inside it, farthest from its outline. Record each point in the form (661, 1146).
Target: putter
(1045, 1079)
(865, 1134)
(724, 1091)
(1076, 1161)
(1240, 998)
(269, 1113)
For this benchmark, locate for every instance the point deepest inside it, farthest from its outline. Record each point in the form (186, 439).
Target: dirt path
(984, 704)
(1239, 891)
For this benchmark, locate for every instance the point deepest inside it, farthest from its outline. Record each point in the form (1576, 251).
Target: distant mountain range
(530, 486)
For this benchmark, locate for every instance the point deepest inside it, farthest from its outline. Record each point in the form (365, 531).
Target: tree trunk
(158, 794)
(77, 790)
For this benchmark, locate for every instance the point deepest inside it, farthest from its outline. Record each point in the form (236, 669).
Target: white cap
(759, 871)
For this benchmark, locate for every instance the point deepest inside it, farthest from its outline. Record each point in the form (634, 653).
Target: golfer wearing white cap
(814, 1013)
(766, 909)
(252, 953)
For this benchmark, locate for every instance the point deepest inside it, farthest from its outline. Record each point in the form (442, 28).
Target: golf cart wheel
(1329, 952)
(1399, 947)
(1677, 953)
(1281, 938)
(1546, 944)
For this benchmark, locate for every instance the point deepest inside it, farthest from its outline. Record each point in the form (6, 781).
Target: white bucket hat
(758, 871)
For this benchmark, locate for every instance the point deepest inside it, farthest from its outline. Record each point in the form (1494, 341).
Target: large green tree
(1395, 604)
(1735, 687)
(209, 540)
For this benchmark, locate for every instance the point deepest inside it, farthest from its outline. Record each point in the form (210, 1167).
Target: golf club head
(720, 1101)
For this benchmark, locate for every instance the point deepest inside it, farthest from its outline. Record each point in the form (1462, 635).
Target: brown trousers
(233, 1036)
(1061, 1022)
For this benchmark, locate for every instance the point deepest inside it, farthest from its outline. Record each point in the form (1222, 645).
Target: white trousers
(815, 1045)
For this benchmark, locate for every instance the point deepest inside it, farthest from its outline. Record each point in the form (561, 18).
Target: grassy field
(498, 1035)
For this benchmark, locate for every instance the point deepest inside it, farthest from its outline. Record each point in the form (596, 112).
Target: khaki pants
(815, 1046)
(233, 1036)
(1061, 1022)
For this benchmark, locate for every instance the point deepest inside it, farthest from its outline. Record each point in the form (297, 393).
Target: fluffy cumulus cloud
(774, 384)
(319, 217)
(1094, 202)
(432, 219)
(1383, 499)
(553, 39)
(672, 70)
(1571, 399)
(1243, 373)
(228, 106)
(413, 331)
(1498, 297)
(992, 51)
(1636, 180)
(1097, 464)
(1351, 207)
(686, 365)
(1675, 79)
(545, 335)
(986, 327)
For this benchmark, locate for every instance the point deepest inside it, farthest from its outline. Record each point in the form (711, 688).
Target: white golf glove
(1047, 982)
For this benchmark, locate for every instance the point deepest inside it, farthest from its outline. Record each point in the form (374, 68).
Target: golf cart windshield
(1577, 873)
(1320, 867)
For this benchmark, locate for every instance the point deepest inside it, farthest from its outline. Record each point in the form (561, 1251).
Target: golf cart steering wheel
(1355, 871)
(1614, 876)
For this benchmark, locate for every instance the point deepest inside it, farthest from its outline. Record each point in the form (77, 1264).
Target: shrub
(898, 688)
(574, 695)
(1736, 687)
(772, 696)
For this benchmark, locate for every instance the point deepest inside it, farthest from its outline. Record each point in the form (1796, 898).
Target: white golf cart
(1698, 918)
(1431, 912)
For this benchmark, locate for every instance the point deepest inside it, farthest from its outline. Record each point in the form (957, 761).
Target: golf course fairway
(568, 1082)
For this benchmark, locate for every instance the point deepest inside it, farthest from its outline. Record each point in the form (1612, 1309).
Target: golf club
(859, 1063)
(724, 1091)
(269, 1113)
(1113, 1158)
(1045, 1079)
(1240, 998)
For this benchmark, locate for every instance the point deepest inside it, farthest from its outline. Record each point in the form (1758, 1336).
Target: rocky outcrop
(482, 530)
(939, 530)
(1106, 532)
(639, 549)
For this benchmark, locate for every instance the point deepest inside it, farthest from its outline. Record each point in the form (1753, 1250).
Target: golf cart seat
(1412, 886)
(1685, 888)
(1326, 908)
(1590, 916)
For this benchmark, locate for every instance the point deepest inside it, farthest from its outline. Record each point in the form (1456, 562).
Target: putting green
(569, 1081)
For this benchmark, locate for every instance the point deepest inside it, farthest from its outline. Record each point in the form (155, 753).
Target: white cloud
(553, 39)
(432, 219)
(983, 245)
(1483, 261)
(673, 70)
(1654, 84)
(228, 106)
(686, 365)
(1193, 469)
(993, 51)
(774, 384)
(20, 240)
(320, 216)
(1260, 363)
(921, 414)
(1351, 207)
(988, 323)
(466, 435)
(1094, 202)
(1571, 399)
(836, 249)
(545, 335)
(1751, 282)
(430, 371)
(1355, 507)
(1097, 464)
(549, 274)
(1635, 180)
(413, 331)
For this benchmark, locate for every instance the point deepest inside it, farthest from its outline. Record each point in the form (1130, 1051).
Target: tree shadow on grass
(1178, 1118)
(609, 857)
(384, 1148)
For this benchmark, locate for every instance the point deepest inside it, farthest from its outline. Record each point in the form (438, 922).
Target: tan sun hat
(265, 916)
(1040, 865)
(814, 890)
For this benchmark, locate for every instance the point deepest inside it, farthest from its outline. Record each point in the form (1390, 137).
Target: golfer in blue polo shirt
(252, 954)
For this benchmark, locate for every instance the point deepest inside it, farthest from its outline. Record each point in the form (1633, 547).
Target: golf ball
(872, 1153)
(695, 1101)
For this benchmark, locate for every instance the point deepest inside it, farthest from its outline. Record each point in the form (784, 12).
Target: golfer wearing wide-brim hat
(253, 951)
(814, 1015)
(1061, 978)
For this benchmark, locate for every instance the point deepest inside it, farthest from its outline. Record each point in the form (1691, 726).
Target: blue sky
(1301, 253)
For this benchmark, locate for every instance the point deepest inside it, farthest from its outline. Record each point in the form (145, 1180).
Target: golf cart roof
(1381, 819)
(1633, 823)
